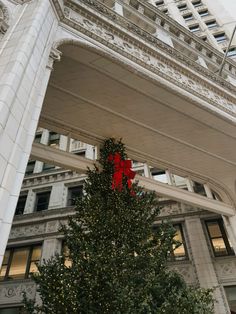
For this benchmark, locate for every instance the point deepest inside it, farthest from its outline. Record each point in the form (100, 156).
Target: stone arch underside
(93, 94)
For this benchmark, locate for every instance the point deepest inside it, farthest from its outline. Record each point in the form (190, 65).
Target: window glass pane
(65, 252)
(36, 254)
(220, 37)
(35, 258)
(159, 175)
(20, 206)
(231, 297)
(42, 200)
(179, 251)
(47, 167)
(54, 139)
(18, 263)
(3, 272)
(179, 181)
(30, 167)
(219, 246)
(37, 138)
(214, 229)
(4, 264)
(74, 193)
(6, 257)
(199, 188)
(33, 268)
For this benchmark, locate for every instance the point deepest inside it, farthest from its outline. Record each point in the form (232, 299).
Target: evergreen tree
(118, 262)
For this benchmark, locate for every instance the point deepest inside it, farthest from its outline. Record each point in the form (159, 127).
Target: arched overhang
(95, 93)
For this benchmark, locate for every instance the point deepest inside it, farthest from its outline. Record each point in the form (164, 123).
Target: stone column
(203, 263)
(24, 75)
(57, 194)
(51, 247)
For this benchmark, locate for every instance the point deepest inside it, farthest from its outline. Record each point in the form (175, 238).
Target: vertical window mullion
(9, 263)
(28, 262)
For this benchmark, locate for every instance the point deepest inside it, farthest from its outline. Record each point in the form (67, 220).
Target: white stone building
(74, 72)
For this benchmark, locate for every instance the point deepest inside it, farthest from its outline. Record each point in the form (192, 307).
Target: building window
(30, 167)
(65, 252)
(19, 263)
(161, 2)
(188, 17)
(165, 11)
(47, 167)
(74, 193)
(194, 28)
(38, 137)
(211, 24)
(179, 251)
(54, 139)
(199, 188)
(42, 201)
(159, 175)
(203, 13)
(197, 3)
(219, 240)
(231, 52)
(182, 7)
(230, 292)
(20, 206)
(220, 37)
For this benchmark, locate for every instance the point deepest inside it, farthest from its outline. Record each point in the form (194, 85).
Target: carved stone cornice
(4, 18)
(105, 26)
(11, 292)
(166, 61)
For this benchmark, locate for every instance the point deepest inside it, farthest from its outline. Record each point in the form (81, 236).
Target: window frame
(223, 35)
(28, 263)
(159, 3)
(27, 172)
(211, 24)
(36, 200)
(204, 12)
(183, 7)
(194, 28)
(188, 17)
(197, 3)
(174, 258)
(25, 195)
(220, 222)
(69, 201)
(54, 142)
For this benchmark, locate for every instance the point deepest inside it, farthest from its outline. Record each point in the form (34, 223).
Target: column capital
(55, 55)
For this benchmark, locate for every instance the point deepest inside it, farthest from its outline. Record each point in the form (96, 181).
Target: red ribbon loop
(121, 168)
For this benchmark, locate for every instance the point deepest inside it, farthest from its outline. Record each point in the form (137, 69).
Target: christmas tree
(118, 262)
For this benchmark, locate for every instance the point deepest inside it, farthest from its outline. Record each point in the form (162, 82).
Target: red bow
(121, 167)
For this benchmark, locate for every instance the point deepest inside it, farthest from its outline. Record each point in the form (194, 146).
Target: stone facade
(148, 51)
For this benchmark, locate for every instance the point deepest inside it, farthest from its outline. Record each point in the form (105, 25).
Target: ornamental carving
(4, 18)
(26, 231)
(226, 269)
(186, 271)
(155, 62)
(12, 292)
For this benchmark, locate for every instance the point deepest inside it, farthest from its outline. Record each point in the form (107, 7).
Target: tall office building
(146, 71)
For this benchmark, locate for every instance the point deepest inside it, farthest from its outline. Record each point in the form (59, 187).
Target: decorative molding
(226, 269)
(186, 270)
(167, 62)
(55, 55)
(11, 292)
(4, 18)
(28, 231)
